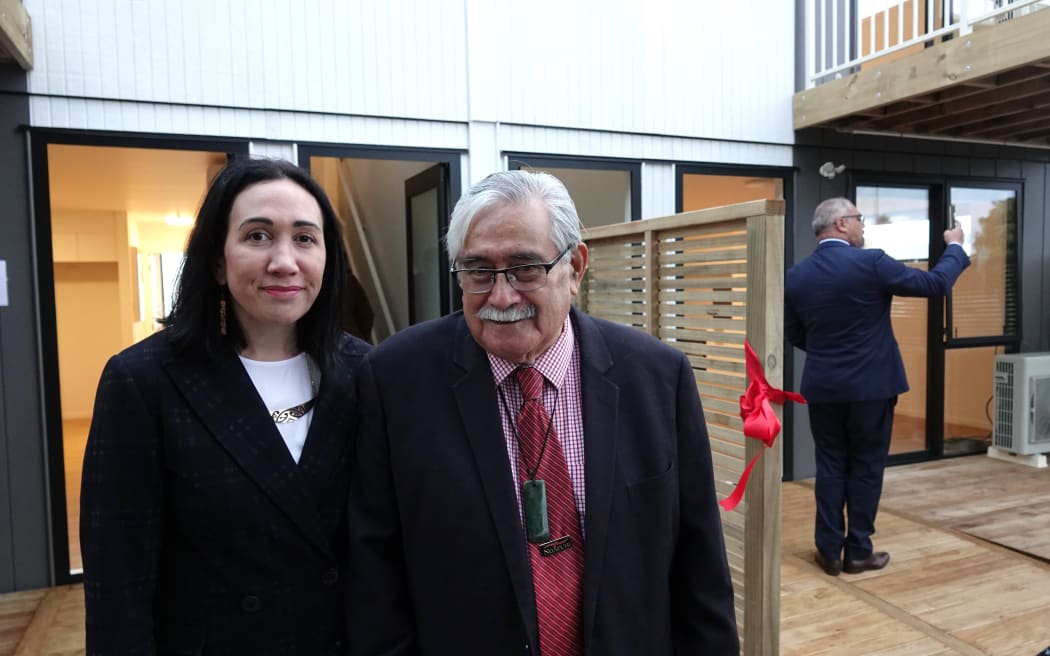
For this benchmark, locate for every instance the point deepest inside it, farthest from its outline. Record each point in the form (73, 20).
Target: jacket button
(330, 577)
(251, 604)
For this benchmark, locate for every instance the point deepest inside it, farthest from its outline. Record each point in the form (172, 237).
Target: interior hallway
(74, 441)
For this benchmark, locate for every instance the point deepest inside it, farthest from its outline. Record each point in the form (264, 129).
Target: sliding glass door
(897, 220)
(982, 314)
(948, 344)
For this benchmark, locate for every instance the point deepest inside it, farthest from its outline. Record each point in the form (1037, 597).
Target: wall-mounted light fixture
(829, 170)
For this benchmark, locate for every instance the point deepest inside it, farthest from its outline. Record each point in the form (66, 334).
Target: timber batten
(703, 282)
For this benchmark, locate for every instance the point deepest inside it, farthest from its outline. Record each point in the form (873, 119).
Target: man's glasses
(522, 278)
(859, 217)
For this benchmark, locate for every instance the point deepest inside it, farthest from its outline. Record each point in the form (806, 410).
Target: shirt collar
(553, 364)
(832, 239)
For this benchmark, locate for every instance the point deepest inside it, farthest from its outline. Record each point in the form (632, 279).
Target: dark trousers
(852, 443)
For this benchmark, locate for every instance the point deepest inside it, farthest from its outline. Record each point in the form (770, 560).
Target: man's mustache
(509, 315)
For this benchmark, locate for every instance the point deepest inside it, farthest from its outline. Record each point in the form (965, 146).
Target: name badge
(555, 546)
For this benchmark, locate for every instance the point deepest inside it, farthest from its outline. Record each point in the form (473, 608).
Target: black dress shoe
(830, 567)
(877, 560)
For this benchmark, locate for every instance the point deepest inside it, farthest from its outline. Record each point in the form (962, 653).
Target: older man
(528, 479)
(837, 310)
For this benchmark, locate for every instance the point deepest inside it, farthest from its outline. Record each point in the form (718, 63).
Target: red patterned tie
(557, 579)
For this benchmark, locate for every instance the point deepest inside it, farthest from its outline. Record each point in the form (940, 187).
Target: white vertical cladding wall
(396, 58)
(658, 189)
(279, 149)
(648, 80)
(651, 80)
(712, 69)
(324, 70)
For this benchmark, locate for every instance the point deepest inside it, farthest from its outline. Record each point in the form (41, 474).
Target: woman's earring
(222, 315)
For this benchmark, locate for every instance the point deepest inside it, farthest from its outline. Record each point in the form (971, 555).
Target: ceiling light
(179, 220)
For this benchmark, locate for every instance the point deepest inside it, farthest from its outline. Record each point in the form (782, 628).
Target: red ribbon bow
(760, 422)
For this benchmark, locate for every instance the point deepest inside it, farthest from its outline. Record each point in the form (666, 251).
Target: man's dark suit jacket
(438, 561)
(200, 533)
(837, 310)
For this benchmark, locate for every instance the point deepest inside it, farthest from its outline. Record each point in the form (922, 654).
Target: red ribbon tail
(760, 421)
(730, 502)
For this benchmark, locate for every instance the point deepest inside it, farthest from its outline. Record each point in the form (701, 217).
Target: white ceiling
(147, 184)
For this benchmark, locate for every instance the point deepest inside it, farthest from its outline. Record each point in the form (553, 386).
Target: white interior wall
(379, 193)
(601, 197)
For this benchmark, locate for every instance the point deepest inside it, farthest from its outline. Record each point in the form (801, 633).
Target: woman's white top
(282, 385)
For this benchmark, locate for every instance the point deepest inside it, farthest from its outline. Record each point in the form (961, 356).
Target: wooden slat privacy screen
(704, 281)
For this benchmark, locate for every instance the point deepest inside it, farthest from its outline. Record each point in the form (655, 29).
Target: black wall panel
(874, 154)
(24, 544)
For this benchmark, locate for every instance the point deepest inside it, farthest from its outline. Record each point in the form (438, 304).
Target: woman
(215, 476)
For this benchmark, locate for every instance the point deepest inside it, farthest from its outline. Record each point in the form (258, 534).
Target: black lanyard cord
(530, 473)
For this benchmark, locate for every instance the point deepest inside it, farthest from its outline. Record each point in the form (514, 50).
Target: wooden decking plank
(825, 615)
(32, 642)
(1010, 635)
(16, 612)
(57, 627)
(945, 581)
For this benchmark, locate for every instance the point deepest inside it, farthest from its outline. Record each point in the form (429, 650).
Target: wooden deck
(946, 590)
(970, 540)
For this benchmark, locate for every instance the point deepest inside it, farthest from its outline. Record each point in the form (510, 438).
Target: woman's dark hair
(194, 319)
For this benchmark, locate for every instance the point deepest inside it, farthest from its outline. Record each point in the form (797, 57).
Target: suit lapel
(474, 390)
(224, 398)
(330, 429)
(600, 397)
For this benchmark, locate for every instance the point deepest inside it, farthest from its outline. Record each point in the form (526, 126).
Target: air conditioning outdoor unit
(1022, 403)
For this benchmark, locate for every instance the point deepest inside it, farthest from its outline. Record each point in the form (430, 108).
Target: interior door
(427, 212)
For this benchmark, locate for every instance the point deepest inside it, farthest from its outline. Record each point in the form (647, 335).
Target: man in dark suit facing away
(528, 479)
(837, 310)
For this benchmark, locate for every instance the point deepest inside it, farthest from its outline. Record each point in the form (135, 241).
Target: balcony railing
(843, 36)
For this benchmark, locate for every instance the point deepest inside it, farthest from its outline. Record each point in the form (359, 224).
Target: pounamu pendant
(534, 502)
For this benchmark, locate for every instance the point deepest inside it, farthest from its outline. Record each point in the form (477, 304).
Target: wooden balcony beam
(988, 99)
(1014, 85)
(1002, 126)
(953, 123)
(912, 110)
(1015, 43)
(16, 33)
(1038, 138)
(1032, 131)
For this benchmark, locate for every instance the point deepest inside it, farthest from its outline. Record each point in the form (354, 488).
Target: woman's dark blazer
(199, 532)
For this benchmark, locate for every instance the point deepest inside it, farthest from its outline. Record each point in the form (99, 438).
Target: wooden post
(765, 330)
